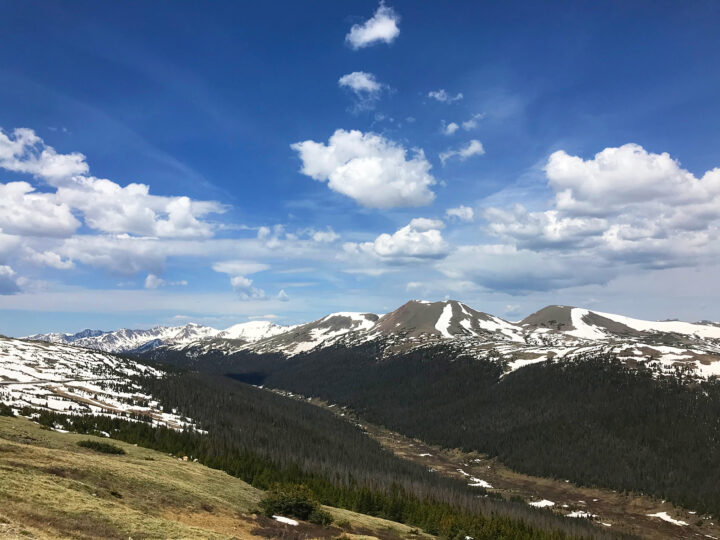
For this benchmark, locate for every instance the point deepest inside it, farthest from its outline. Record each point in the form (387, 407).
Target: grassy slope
(52, 488)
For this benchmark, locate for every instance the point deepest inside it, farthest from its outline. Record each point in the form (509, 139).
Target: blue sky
(173, 161)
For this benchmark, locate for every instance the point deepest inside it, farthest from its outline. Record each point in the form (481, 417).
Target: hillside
(52, 488)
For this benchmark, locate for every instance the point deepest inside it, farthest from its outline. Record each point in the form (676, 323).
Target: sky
(174, 162)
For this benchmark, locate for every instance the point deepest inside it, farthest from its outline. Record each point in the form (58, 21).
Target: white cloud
(381, 27)
(472, 123)
(364, 86)
(369, 168)
(8, 281)
(442, 96)
(153, 282)
(244, 287)
(105, 205)
(23, 151)
(420, 239)
(360, 82)
(48, 258)
(24, 211)
(450, 128)
(326, 236)
(282, 296)
(240, 267)
(625, 210)
(462, 213)
(472, 148)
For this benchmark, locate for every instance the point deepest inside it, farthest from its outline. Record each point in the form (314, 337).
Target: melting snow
(582, 329)
(443, 322)
(542, 504)
(665, 517)
(285, 520)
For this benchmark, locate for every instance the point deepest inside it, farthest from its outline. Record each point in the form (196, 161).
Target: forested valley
(266, 439)
(595, 421)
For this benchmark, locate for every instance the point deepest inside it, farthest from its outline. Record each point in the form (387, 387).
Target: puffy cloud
(619, 179)
(381, 27)
(472, 148)
(23, 151)
(462, 213)
(48, 258)
(369, 168)
(8, 281)
(111, 208)
(467, 125)
(26, 212)
(472, 123)
(625, 208)
(450, 128)
(420, 239)
(283, 296)
(360, 82)
(153, 282)
(364, 86)
(442, 96)
(239, 267)
(118, 254)
(105, 205)
(325, 236)
(243, 286)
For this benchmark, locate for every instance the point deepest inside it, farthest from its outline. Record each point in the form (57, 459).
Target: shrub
(105, 448)
(294, 500)
(5, 410)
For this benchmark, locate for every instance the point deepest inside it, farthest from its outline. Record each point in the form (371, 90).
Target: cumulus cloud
(420, 239)
(443, 97)
(244, 288)
(23, 151)
(364, 87)
(467, 125)
(472, 148)
(283, 296)
(8, 281)
(381, 27)
(326, 236)
(369, 168)
(24, 211)
(105, 205)
(461, 213)
(625, 209)
(450, 128)
(48, 258)
(472, 122)
(153, 282)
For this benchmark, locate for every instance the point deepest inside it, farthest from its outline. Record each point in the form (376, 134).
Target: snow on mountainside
(73, 380)
(253, 331)
(554, 332)
(127, 340)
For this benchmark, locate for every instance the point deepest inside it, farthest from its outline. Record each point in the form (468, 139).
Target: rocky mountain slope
(63, 378)
(554, 332)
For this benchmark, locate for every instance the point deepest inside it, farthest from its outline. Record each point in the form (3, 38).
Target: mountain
(66, 338)
(253, 331)
(557, 332)
(135, 341)
(63, 378)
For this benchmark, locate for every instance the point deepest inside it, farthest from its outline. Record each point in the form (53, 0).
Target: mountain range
(553, 332)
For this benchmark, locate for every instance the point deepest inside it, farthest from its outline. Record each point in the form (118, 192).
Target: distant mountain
(67, 379)
(66, 338)
(131, 341)
(554, 332)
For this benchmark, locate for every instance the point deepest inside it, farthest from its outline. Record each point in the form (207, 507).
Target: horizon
(169, 162)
